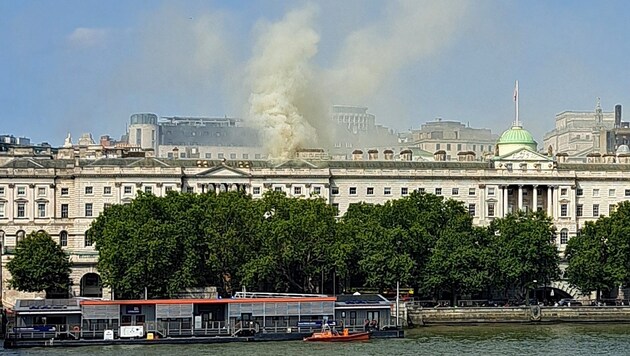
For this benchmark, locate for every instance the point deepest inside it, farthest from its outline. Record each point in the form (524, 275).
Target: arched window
(19, 236)
(564, 236)
(63, 238)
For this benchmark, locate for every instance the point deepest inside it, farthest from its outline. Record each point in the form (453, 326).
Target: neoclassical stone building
(60, 192)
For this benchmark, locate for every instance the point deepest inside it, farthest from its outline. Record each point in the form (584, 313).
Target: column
(535, 198)
(556, 201)
(573, 209)
(505, 200)
(549, 201)
(520, 197)
(482, 202)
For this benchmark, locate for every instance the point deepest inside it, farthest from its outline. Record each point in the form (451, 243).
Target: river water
(558, 339)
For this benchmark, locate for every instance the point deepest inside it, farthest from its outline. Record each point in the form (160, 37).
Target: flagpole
(516, 103)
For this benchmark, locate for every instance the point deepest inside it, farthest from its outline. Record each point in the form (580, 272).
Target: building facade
(61, 192)
(453, 138)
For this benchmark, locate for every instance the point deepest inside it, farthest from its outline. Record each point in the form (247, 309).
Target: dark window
(63, 238)
(564, 236)
(64, 211)
(88, 209)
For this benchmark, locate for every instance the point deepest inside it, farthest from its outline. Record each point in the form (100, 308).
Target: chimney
(372, 155)
(617, 116)
(357, 155)
(389, 155)
(406, 155)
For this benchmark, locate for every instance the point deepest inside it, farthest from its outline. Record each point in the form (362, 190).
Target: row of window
(21, 207)
(612, 192)
(405, 191)
(296, 190)
(89, 190)
(208, 155)
(63, 238)
(459, 147)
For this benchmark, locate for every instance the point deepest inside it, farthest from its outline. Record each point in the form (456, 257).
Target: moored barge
(245, 317)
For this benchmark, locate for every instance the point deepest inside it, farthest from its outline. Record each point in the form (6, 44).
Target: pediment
(523, 155)
(223, 171)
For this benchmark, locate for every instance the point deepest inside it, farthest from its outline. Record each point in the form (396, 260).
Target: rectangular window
(471, 191)
(2, 210)
(190, 189)
(595, 192)
(404, 191)
(148, 189)
(579, 192)
(208, 155)
(448, 146)
(107, 205)
(459, 147)
(21, 210)
(182, 155)
(491, 191)
(256, 190)
(257, 156)
(127, 189)
(563, 192)
(107, 190)
(297, 190)
(471, 209)
(41, 210)
(336, 208)
(334, 190)
(474, 148)
(64, 211)
(87, 241)
(21, 191)
(437, 146)
(352, 191)
(387, 191)
(41, 191)
(596, 210)
(168, 188)
(1, 190)
(63, 239)
(491, 210)
(245, 155)
(626, 192)
(438, 191)
(370, 191)
(455, 191)
(612, 208)
(579, 210)
(612, 193)
(317, 190)
(169, 155)
(420, 190)
(221, 155)
(64, 191)
(88, 209)
(564, 210)
(232, 155)
(89, 190)
(278, 189)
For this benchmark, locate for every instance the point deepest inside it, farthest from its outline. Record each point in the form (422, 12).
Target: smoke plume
(280, 77)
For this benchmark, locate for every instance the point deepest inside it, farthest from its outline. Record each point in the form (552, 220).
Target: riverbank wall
(419, 316)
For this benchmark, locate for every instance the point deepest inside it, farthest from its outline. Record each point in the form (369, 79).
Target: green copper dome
(517, 135)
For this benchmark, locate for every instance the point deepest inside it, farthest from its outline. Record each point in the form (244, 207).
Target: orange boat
(328, 335)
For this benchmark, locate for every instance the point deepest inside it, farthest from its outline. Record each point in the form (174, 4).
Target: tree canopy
(40, 264)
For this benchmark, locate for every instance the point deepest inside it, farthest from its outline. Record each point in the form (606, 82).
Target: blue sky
(86, 66)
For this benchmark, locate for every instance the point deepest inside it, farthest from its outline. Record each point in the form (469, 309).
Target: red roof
(207, 301)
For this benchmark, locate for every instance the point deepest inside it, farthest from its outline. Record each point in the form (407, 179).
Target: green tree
(40, 264)
(296, 237)
(588, 257)
(525, 251)
(615, 231)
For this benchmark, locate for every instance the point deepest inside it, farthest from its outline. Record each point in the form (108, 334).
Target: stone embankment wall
(417, 316)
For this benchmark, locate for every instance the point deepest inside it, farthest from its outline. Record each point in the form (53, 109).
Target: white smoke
(280, 77)
(408, 31)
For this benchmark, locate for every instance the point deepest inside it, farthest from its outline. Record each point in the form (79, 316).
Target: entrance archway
(91, 286)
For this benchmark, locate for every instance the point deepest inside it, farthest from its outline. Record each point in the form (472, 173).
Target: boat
(328, 335)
